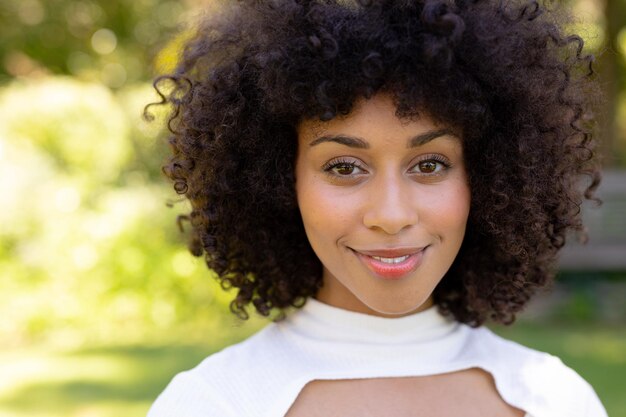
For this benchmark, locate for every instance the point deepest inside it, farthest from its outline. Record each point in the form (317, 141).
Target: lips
(391, 264)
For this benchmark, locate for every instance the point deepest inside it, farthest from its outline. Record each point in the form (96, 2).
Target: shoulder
(187, 396)
(529, 376)
(233, 373)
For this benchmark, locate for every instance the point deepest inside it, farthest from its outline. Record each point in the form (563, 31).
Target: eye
(343, 168)
(431, 165)
(428, 166)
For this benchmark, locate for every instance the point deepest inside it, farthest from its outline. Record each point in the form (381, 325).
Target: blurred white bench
(606, 249)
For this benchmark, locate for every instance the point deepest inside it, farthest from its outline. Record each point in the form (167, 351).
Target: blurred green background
(100, 303)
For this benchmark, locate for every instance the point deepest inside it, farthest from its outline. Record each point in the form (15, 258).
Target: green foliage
(90, 251)
(107, 41)
(78, 127)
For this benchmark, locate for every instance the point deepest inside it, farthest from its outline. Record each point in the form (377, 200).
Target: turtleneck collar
(321, 321)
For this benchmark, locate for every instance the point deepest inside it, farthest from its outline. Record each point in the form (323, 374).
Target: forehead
(374, 117)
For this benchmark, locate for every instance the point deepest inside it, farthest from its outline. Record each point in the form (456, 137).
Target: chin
(395, 309)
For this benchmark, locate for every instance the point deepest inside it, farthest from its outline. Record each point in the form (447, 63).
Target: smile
(391, 264)
(391, 260)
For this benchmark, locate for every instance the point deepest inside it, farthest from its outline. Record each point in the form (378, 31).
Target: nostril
(391, 220)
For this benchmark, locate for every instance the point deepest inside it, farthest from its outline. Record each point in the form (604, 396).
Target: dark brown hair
(503, 73)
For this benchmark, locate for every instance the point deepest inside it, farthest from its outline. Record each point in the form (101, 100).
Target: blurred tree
(612, 70)
(108, 41)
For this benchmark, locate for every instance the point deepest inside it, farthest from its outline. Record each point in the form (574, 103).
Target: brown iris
(428, 166)
(344, 169)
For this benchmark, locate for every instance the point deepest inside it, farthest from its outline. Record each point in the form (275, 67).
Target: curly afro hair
(501, 72)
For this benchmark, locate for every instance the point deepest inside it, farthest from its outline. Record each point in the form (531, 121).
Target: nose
(391, 205)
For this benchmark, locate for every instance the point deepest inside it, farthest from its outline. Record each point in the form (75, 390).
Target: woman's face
(384, 204)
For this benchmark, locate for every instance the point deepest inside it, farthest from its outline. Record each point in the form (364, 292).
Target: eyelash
(337, 162)
(440, 159)
(334, 163)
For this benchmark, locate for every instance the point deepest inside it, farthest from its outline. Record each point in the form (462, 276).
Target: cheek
(324, 211)
(450, 209)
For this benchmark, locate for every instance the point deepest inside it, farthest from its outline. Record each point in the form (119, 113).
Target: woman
(398, 172)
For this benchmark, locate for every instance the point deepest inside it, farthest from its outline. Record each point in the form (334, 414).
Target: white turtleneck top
(263, 375)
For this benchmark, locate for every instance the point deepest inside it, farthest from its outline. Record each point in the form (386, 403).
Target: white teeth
(391, 260)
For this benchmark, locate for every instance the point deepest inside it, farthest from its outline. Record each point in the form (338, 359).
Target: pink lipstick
(391, 264)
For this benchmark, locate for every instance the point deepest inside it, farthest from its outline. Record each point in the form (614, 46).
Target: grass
(109, 381)
(102, 382)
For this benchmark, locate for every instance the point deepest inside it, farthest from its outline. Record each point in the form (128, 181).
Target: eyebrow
(351, 141)
(359, 143)
(424, 138)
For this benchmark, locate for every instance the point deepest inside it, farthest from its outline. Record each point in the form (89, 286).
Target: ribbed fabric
(263, 375)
